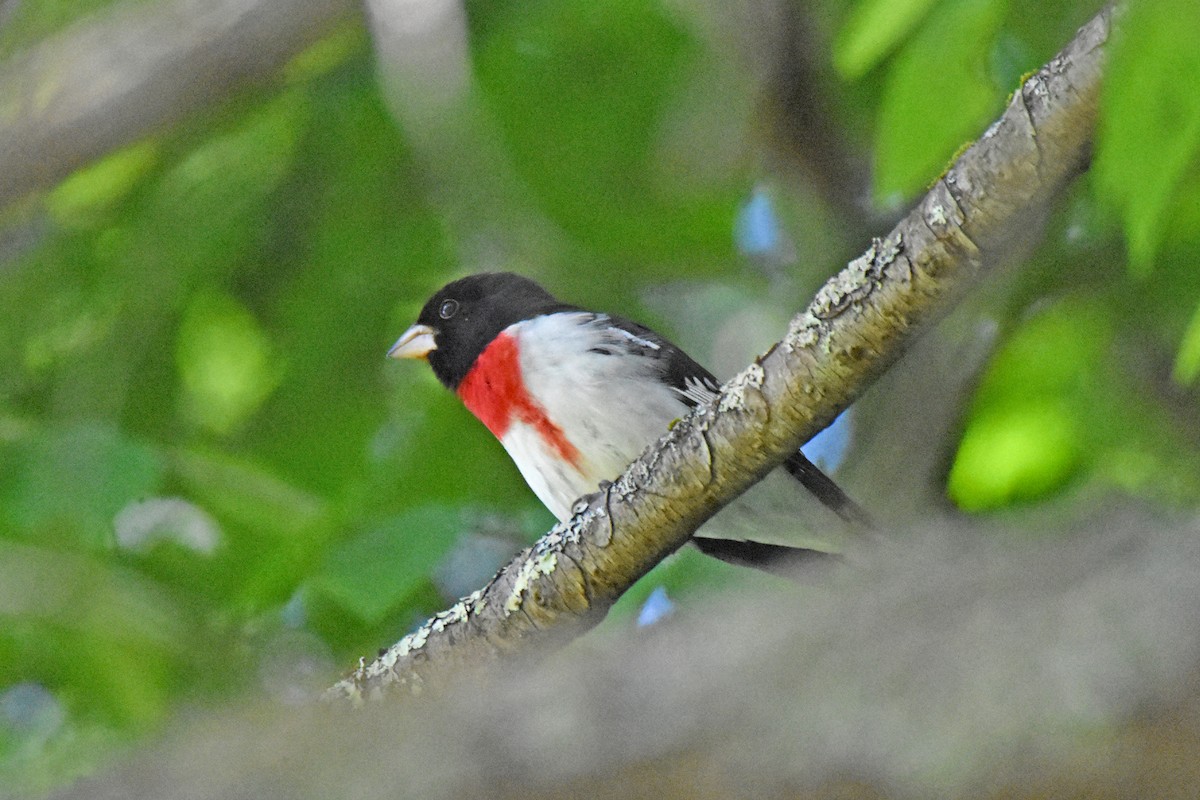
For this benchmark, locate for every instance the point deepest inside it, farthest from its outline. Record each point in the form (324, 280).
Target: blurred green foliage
(201, 318)
(938, 94)
(26, 23)
(1150, 131)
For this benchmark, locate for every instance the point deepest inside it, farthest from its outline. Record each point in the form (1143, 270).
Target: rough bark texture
(112, 79)
(860, 322)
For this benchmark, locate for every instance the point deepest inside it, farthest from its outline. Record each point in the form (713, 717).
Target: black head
(464, 316)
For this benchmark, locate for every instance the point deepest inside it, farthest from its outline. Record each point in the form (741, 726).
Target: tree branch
(861, 321)
(113, 79)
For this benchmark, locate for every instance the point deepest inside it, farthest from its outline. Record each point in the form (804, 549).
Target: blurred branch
(801, 113)
(114, 78)
(947, 665)
(7, 7)
(974, 218)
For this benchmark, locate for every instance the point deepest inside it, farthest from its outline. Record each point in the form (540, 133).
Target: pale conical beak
(417, 342)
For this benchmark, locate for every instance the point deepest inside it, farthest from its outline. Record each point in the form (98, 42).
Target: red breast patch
(494, 392)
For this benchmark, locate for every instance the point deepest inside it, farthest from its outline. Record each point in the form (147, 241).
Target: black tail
(781, 559)
(777, 559)
(825, 490)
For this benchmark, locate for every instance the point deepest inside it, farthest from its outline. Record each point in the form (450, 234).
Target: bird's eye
(448, 309)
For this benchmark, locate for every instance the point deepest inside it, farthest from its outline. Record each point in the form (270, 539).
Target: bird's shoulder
(607, 336)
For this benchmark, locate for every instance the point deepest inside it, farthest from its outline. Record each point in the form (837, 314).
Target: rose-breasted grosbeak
(575, 396)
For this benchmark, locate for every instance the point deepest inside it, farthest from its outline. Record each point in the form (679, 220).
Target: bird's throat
(494, 391)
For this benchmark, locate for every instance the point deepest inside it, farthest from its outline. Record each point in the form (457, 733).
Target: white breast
(596, 398)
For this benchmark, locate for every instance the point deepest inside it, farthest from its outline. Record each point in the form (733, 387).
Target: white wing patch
(633, 337)
(698, 390)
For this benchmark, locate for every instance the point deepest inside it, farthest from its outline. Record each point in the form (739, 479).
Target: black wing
(697, 385)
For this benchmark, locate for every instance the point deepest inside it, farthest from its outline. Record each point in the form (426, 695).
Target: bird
(574, 396)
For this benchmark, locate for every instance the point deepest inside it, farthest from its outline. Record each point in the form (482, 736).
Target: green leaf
(25, 24)
(211, 205)
(1015, 454)
(247, 494)
(86, 595)
(237, 167)
(70, 482)
(586, 93)
(99, 185)
(327, 53)
(370, 574)
(1149, 134)
(938, 96)
(78, 749)
(1033, 421)
(1187, 360)
(225, 361)
(1052, 354)
(874, 29)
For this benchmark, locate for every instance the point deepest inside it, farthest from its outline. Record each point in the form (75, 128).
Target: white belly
(555, 482)
(603, 411)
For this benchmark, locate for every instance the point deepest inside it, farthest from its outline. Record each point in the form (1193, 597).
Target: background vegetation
(213, 484)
